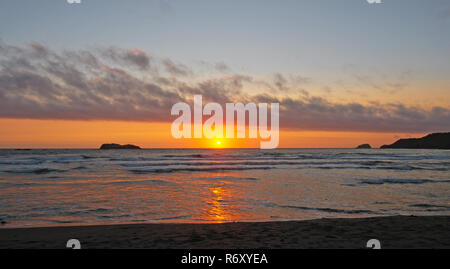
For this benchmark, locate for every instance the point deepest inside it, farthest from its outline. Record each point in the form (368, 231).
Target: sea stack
(364, 146)
(431, 141)
(117, 146)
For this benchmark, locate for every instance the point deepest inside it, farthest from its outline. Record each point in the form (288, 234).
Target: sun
(218, 144)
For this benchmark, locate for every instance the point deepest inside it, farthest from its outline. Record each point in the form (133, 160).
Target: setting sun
(218, 144)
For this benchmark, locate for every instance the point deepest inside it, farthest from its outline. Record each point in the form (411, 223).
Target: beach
(408, 232)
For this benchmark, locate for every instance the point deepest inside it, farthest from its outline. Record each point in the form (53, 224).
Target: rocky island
(431, 141)
(117, 146)
(364, 146)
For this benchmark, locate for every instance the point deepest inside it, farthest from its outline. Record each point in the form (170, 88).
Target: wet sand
(392, 232)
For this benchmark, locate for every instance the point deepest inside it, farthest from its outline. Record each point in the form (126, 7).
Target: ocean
(84, 187)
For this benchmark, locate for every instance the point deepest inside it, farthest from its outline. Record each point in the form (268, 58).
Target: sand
(392, 232)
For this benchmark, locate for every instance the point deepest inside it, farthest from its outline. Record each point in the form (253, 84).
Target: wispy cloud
(175, 69)
(222, 67)
(130, 57)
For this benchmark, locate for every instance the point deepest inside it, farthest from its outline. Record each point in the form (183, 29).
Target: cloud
(358, 77)
(299, 79)
(79, 85)
(39, 49)
(280, 82)
(131, 57)
(175, 69)
(222, 67)
(319, 114)
(37, 82)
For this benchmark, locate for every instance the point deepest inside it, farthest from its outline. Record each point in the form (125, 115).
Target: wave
(401, 181)
(201, 156)
(89, 157)
(79, 168)
(382, 165)
(175, 217)
(134, 159)
(88, 211)
(37, 171)
(209, 163)
(326, 209)
(396, 167)
(432, 208)
(146, 181)
(208, 169)
(26, 184)
(229, 178)
(22, 162)
(41, 171)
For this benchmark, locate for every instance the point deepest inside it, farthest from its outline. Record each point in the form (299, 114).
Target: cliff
(431, 141)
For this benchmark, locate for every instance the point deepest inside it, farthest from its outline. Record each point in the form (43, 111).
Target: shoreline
(391, 231)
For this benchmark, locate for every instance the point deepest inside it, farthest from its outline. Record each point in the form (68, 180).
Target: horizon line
(171, 148)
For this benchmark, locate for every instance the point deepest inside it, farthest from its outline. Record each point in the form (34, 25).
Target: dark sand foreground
(393, 232)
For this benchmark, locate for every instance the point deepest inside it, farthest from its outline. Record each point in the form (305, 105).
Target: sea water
(83, 187)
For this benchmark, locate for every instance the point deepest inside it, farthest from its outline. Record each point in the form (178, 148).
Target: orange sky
(23, 133)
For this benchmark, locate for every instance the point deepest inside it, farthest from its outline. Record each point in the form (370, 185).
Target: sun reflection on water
(218, 210)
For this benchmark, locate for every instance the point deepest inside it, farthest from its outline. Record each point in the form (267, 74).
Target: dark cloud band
(37, 82)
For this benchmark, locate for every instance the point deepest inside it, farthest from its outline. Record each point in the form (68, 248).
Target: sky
(344, 72)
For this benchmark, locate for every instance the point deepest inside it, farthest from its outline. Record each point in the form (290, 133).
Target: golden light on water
(218, 197)
(218, 210)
